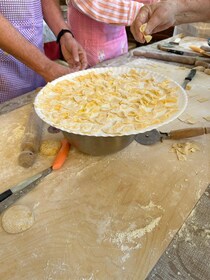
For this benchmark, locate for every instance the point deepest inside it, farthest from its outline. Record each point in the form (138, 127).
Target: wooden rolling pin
(166, 57)
(31, 140)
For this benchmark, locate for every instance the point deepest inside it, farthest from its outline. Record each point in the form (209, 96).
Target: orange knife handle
(187, 133)
(62, 155)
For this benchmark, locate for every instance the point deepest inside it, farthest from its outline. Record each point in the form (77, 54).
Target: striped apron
(16, 78)
(101, 41)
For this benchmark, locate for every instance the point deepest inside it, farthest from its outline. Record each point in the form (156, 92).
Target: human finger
(75, 52)
(141, 18)
(83, 59)
(138, 36)
(162, 27)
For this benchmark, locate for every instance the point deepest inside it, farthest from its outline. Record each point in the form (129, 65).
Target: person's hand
(73, 52)
(159, 16)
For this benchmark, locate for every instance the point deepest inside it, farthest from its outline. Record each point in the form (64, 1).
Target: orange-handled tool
(11, 195)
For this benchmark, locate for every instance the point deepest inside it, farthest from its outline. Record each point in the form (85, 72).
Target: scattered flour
(122, 238)
(150, 206)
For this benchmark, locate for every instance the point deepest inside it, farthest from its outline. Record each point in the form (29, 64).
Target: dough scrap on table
(50, 147)
(207, 118)
(207, 71)
(188, 87)
(17, 219)
(182, 68)
(182, 150)
(142, 29)
(202, 99)
(188, 119)
(199, 68)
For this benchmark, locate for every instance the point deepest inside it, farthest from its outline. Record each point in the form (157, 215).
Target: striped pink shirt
(121, 12)
(99, 26)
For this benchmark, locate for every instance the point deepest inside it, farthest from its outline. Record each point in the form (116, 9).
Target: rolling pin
(31, 140)
(166, 57)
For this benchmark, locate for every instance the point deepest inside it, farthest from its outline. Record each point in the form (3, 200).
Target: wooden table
(126, 246)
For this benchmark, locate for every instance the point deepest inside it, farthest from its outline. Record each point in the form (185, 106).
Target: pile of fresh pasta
(108, 103)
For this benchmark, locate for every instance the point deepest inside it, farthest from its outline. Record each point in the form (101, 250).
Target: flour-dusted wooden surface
(187, 256)
(103, 217)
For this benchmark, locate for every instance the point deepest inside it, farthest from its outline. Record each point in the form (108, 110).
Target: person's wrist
(63, 33)
(181, 10)
(178, 8)
(47, 69)
(66, 36)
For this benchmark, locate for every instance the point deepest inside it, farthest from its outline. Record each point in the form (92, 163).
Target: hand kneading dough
(17, 219)
(50, 147)
(142, 28)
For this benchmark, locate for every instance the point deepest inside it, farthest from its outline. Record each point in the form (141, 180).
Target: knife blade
(205, 48)
(189, 78)
(11, 195)
(24, 184)
(168, 48)
(154, 136)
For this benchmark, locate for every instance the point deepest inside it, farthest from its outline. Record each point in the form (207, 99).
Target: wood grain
(109, 217)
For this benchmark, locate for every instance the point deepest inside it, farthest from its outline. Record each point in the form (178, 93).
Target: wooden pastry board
(107, 217)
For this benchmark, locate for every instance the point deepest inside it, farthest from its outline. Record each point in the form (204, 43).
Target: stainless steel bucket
(98, 145)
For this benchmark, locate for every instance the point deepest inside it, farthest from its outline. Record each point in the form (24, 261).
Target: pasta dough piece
(207, 118)
(200, 68)
(17, 219)
(187, 119)
(184, 149)
(50, 147)
(201, 100)
(207, 71)
(142, 29)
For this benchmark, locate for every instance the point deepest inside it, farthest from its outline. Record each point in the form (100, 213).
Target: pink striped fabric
(108, 11)
(101, 41)
(16, 78)
(92, 23)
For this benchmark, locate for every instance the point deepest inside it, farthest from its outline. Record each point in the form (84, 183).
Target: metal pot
(98, 145)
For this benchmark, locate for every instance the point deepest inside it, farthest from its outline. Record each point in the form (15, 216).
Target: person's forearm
(53, 16)
(16, 45)
(192, 11)
(70, 48)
